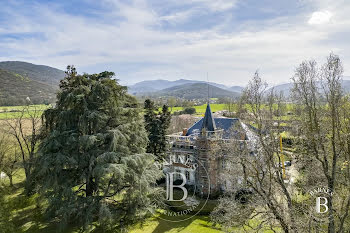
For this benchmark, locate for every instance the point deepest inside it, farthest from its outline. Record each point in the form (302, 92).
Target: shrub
(189, 111)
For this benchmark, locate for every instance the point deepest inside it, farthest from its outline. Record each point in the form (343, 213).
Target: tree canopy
(156, 123)
(92, 155)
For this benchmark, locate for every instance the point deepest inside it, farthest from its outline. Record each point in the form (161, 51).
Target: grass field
(10, 112)
(19, 108)
(200, 109)
(15, 111)
(23, 215)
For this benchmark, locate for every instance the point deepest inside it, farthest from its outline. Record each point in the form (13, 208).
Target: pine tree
(92, 154)
(156, 124)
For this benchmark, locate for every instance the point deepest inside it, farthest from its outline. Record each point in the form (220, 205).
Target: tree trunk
(11, 180)
(331, 227)
(90, 187)
(29, 183)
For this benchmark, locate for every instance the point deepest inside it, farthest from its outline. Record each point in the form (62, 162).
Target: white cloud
(178, 17)
(274, 47)
(320, 17)
(209, 5)
(217, 5)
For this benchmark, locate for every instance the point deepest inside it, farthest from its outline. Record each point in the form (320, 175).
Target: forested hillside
(195, 91)
(15, 88)
(160, 84)
(40, 73)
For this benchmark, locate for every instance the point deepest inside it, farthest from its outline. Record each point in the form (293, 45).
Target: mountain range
(192, 89)
(19, 80)
(183, 88)
(286, 89)
(195, 90)
(160, 84)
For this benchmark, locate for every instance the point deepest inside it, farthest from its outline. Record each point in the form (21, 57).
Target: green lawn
(23, 215)
(196, 224)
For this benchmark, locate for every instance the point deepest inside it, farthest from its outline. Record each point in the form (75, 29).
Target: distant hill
(39, 73)
(160, 84)
(15, 88)
(194, 91)
(346, 85)
(286, 88)
(236, 89)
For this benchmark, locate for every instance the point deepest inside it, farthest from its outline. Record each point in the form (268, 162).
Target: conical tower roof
(208, 120)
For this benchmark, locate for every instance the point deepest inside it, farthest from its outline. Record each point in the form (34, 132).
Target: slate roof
(221, 123)
(211, 124)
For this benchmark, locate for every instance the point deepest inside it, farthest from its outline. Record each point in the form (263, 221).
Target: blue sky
(159, 39)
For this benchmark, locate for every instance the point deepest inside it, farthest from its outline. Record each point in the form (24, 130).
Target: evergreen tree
(156, 124)
(92, 157)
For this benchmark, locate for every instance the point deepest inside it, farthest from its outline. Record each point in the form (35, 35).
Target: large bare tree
(9, 158)
(324, 130)
(259, 191)
(24, 129)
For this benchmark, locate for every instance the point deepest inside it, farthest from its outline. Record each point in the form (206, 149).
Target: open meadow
(8, 112)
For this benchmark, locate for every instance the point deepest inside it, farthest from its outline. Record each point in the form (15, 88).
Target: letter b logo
(170, 186)
(319, 204)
